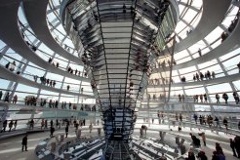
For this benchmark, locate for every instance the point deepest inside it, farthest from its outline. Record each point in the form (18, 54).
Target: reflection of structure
(121, 41)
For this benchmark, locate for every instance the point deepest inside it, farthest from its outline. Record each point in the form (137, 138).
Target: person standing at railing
(66, 130)
(7, 65)
(205, 98)
(57, 124)
(35, 78)
(10, 125)
(5, 122)
(195, 118)
(201, 119)
(217, 98)
(51, 123)
(1, 93)
(225, 97)
(200, 52)
(52, 130)
(6, 99)
(236, 97)
(15, 99)
(225, 122)
(84, 122)
(180, 117)
(238, 65)
(31, 124)
(213, 74)
(201, 98)
(42, 124)
(90, 128)
(217, 121)
(45, 124)
(15, 124)
(12, 66)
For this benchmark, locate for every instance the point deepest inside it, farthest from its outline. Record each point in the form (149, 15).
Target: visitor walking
(24, 143)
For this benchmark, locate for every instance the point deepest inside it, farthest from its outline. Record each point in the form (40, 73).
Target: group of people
(30, 100)
(212, 121)
(233, 24)
(196, 143)
(55, 104)
(155, 97)
(76, 72)
(163, 64)
(225, 97)
(12, 125)
(217, 154)
(206, 119)
(50, 60)
(33, 101)
(11, 66)
(69, 69)
(181, 97)
(200, 76)
(159, 81)
(201, 97)
(46, 81)
(67, 124)
(204, 98)
(7, 97)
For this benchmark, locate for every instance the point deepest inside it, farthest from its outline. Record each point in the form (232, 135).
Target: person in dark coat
(15, 124)
(237, 145)
(10, 125)
(6, 99)
(232, 145)
(5, 122)
(24, 143)
(202, 156)
(66, 130)
(190, 156)
(218, 148)
(1, 93)
(51, 123)
(52, 130)
(58, 124)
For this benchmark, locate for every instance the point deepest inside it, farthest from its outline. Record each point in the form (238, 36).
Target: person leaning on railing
(238, 65)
